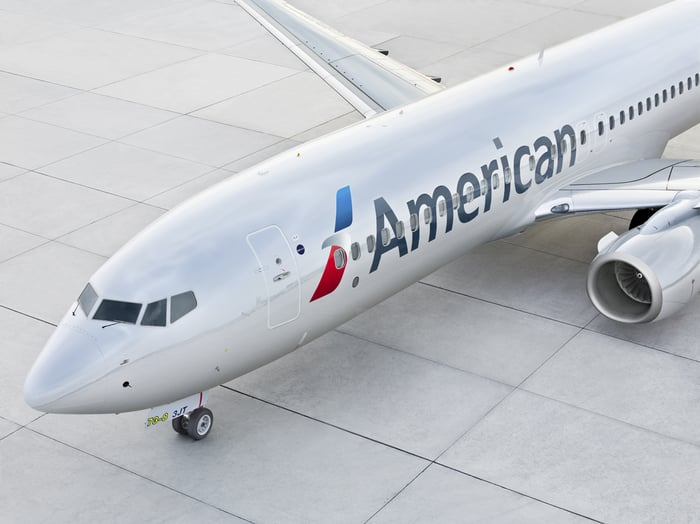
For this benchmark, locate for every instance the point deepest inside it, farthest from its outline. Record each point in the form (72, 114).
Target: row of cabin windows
(651, 102)
(385, 234)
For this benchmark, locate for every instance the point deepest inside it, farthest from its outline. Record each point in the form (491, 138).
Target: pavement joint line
(498, 304)
(614, 420)
(396, 448)
(531, 497)
(399, 492)
(423, 358)
(143, 477)
(28, 315)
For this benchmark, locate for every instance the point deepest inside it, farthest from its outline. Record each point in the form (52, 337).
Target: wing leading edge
(370, 81)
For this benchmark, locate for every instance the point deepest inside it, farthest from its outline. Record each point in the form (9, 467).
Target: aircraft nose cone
(70, 361)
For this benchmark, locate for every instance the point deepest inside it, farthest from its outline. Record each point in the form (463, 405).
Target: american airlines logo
(333, 272)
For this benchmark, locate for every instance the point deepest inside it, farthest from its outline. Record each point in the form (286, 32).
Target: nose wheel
(197, 424)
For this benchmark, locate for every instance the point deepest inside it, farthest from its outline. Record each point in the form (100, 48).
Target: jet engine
(652, 271)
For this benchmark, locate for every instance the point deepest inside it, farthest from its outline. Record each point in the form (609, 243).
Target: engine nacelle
(650, 272)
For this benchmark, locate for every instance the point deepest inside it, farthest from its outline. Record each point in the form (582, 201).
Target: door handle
(281, 276)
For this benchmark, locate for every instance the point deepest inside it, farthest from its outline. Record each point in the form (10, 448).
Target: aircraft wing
(638, 185)
(370, 81)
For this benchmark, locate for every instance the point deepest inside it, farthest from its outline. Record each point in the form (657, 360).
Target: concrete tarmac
(491, 391)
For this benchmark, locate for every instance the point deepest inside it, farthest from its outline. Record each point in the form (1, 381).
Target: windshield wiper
(113, 323)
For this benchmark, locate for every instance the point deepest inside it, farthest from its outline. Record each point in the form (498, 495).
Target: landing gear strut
(196, 424)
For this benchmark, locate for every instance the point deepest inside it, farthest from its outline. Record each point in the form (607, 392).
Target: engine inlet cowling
(624, 289)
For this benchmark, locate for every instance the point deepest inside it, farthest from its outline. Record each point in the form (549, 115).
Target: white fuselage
(252, 248)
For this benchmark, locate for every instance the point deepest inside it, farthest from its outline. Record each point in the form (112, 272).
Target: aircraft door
(277, 264)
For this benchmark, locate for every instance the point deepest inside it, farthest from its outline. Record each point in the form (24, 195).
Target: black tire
(200, 423)
(180, 425)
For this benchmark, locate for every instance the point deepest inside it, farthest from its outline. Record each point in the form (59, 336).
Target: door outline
(278, 266)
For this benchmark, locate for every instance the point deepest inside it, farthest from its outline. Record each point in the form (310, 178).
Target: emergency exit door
(279, 270)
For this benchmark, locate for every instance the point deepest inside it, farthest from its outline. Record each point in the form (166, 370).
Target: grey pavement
(491, 391)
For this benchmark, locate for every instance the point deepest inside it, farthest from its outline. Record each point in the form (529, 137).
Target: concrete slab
(547, 32)
(261, 109)
(56, 207)
(265, 48)
(36, 495)
(8, 171)
(419, 52)
(278, 467)
(621, 8)
(257, 157)
(626, 382)
(31, 144)
(417, 406)
(88, 58)
(7, 428)
(14, 242)
(536, 282)
(197, 24)
(677, 335)
(172, 197)
(414, 321)
(16, 28)
(330, 126)
(194, 84)
(126, 171)
(593, 465)
(554, 236)
(44, 282)
(19, 93)
(202, 141)
(447, 496)
(99, 115)
(23, 339)
(105, 236)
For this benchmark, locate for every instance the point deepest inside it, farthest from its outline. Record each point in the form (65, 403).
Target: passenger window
(115, 311)
(697, 79)
(640, 109)
(87, 299)
(496, 181)
(155, 313)
(631, 113)
(385, 236)
(455, 201)
(371, 244)
(355, 250)
(442, 208)
(553, 150)
(532, 162)
(601, 128)
(484, 186)
(583, 140)
(470, 194)
(612, 123)
(400, 230)
(181, 304)
(665, 95)
(340, 258)
(648, 104)
(622, 117)
(657, 101)
(507, 176)
(673, 92)
(427, 215)
(414, 222)
(680, 88)
(690, 83)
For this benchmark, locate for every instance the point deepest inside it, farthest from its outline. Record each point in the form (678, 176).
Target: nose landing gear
(197, 424)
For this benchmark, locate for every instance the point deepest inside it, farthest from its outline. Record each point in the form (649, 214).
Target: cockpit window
(181, 304)
(87, 299)
(155, 313)
(115, 311)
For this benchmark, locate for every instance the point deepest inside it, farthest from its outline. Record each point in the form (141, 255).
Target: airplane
(272, 258)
